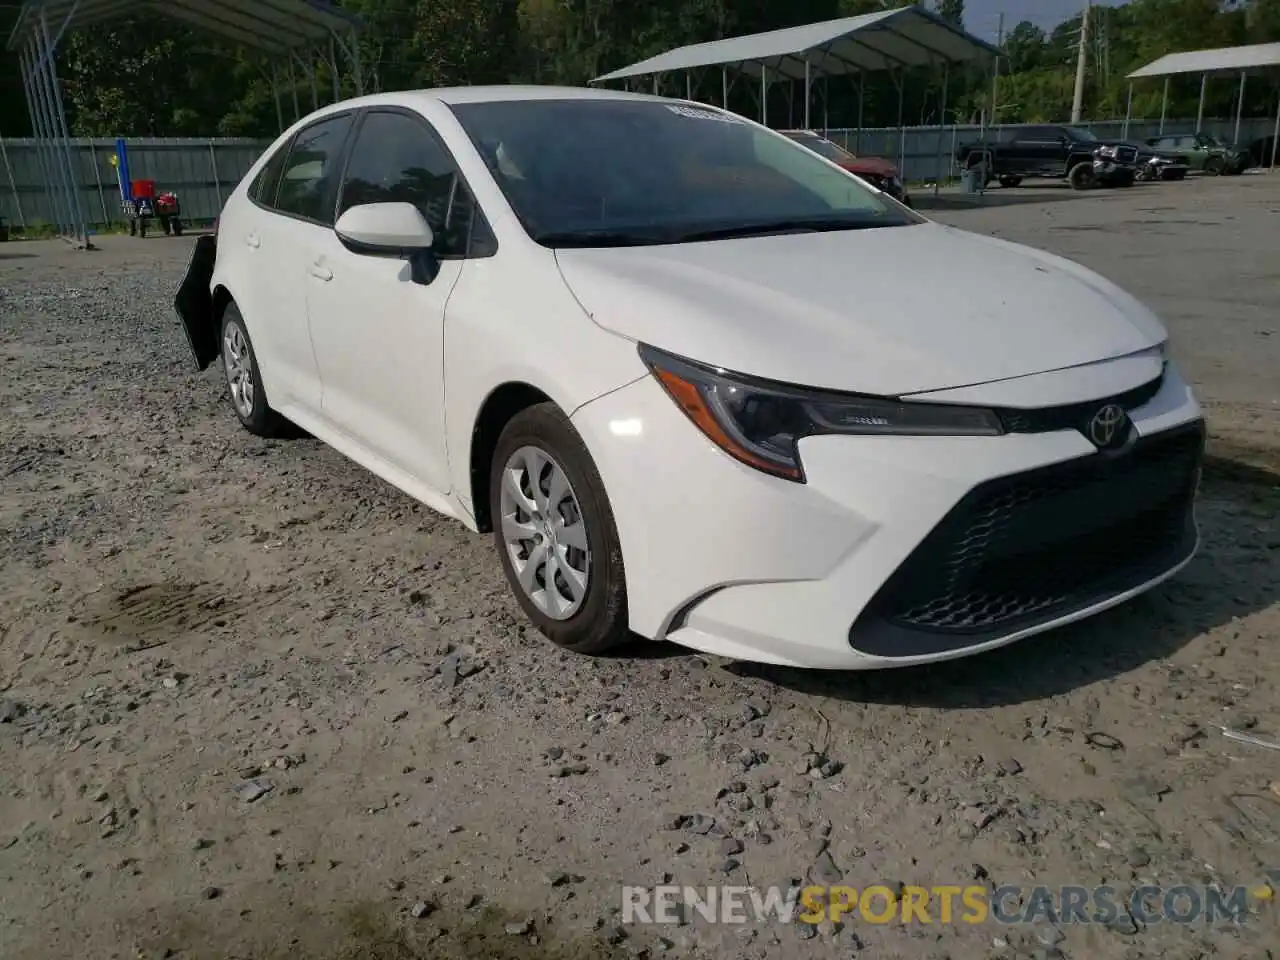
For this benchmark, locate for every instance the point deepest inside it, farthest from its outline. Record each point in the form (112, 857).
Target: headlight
(761, 423)
(1106, 151)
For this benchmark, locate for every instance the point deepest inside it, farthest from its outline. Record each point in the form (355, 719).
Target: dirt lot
(256, 703)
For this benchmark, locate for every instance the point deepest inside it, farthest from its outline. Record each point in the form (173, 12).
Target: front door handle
(321, 272)
(253, 240)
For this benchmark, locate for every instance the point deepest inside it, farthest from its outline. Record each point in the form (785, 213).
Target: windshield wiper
(816, 225)
(595, 238)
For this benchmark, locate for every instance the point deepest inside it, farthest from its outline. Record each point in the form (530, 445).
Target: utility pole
(995, 70)
(1082, 56)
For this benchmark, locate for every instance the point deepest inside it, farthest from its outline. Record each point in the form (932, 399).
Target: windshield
(1075, 133)
(606, 172)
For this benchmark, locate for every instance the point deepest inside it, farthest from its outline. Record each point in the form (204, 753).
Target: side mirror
(385, 228)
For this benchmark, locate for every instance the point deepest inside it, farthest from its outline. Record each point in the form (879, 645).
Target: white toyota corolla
(703, 385)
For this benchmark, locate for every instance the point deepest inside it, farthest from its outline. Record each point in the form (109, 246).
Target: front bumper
(1111, 171)
(838, 572)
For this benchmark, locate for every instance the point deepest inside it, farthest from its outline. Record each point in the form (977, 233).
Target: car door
(294, 203)
(376, 323)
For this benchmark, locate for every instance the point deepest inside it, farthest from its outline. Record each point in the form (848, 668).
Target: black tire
(600, 623)
(1081, 176)
(260, 419)
(1213, 167)
(177, 227)
(1010, 182)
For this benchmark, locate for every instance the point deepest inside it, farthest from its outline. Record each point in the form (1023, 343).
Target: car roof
(494, 93)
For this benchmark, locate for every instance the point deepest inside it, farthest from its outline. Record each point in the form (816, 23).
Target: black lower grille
(1035, 546)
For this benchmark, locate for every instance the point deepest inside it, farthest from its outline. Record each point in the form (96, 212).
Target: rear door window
(309, 180)
(263, 188)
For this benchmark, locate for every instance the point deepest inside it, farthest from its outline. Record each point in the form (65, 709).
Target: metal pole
(333, 69)
(73, 189)
(1239, 107)
(942, 119)
(1128, 112)
(17, 200)
(57, 171)
(807, 81)
(97, 181)
(655, 84)
(275, 95)
(995, 68)
(1275, 136)
(857, 140)
(1077, 100)
(902, 130)
(826, 98)
(724, 87)
(355, 64)
(293, 89)
(217, 182)
(688, 84)
(1164, 104)
(43, 159)
(764, 93)
(1200, 110)
(315, 91)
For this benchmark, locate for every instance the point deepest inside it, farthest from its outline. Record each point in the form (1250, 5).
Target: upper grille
(1036, 545)
(1075, 416)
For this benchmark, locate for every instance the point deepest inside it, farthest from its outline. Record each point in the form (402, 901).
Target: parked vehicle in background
(878, 172)
(1204, 152)
(1158, 164)
(688, 377)
(1052, 151)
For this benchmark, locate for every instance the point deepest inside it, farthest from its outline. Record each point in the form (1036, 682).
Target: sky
(982, 16)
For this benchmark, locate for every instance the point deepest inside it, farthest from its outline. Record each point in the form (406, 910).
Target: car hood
(888, 311)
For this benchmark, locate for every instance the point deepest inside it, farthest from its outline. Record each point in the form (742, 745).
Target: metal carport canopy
(889, 40)
(1221, 60)
(272, 26)
(1241, 60)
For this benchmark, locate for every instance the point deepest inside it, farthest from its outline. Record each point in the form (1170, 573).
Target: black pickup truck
(1052, 151)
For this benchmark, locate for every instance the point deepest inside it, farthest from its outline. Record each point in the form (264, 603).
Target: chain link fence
(202, 172)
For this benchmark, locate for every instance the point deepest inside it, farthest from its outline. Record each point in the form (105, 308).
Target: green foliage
(155, 76)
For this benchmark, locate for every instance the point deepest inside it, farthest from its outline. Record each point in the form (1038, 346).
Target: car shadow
(1213, 590)
(16, 256)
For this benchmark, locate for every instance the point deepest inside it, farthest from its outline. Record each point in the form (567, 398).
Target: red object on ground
(143, 189)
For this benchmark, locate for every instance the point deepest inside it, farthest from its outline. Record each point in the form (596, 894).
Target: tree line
(152, 76)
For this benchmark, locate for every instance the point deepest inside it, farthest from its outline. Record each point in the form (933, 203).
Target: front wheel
(555, 532)
(1010, 181)
(1213, 166)
(1081, 176)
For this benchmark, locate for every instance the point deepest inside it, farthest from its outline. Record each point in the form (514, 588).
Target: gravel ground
(256, 703)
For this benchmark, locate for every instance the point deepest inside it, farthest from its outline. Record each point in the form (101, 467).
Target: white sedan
(700, 383)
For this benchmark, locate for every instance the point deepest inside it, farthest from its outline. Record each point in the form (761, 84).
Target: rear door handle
(321, 272)
(253, 240)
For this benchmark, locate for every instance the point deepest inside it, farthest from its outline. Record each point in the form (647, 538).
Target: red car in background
(876, 171)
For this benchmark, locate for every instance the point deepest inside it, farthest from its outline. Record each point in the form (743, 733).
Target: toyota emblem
(1107, 425)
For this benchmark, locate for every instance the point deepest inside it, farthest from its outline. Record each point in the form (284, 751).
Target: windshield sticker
(695, 114)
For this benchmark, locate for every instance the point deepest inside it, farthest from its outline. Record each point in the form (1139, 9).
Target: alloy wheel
(544, 532)
(235, 357)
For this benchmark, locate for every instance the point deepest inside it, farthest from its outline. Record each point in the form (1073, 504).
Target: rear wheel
(1081, 176)
(555, 532)
(1213, 166)
(244, 379)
